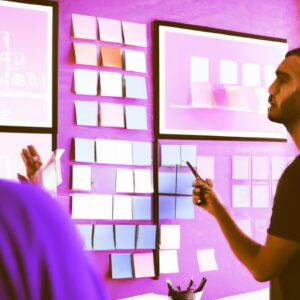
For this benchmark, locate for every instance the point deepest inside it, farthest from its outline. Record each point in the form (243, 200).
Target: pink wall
(276, 18)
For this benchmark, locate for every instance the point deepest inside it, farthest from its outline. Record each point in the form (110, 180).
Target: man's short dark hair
(295, 51)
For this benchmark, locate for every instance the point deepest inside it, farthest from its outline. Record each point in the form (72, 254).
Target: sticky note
(245, 226)
(134, 34)
(122, 208)
(104, 237)
(121, 266)
(143, 181)
(85, 232)
(81, 206)
(228, 72)
(206, 260)
(236, 98)
(81, 178)
(142, 153)
(124, 181)
(143, 265)
(240, 196)
(202, 95)
(111, 57)
(251, 75)
(199, 69)
(111, 84)
(185, 183)
(141, 208)
(260, 196)
(167, 182)
(135, 87)
(188, 153)
(123, 152)
(112, 115)
(125, 236)
(184, 208)
(85, 54)
(170, 237)
(49, 178)
(262, 94)
(105, 151)
(84, 150)
(102, 207)
(86, 82)
(86, 113)
(110, 30)
(168, 261)
(135, 61)
(270, 76)
(278, 166)
(260, 167)
(167, 207)
(240, 167)
(84, 27)
(146, 237)
(206, 166)
(105, 174)
(170, 155)
(136, 117)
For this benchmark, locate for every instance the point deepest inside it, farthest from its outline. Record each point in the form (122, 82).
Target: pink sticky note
(85, 54)
(143, 265)
(236, 98)
(110, 30)
(202, 95)
(112, 115)
(84, 27)
(135, 34)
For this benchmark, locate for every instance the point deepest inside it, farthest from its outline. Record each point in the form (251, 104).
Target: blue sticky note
(170, 155)
(141, 208)
(85, 232)
(142, 153)
(135, 87)
(184, 207)
(84, 150)
(185, 183)
(166, 207)
(136, 117)
(86, 113)
(121, 266)
(125, 236)
(188, 153)
(167, 182)
(104, 237)
(146, 237)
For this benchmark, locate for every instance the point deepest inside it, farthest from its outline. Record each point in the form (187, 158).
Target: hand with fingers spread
(33, 163)
(205, 196)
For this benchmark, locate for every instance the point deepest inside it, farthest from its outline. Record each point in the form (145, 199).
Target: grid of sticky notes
(254, 179)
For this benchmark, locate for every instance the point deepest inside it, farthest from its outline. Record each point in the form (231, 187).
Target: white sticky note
(124, 181)
(101, 207)
(260, 167)
(84, 27)
(245, 226)
(111, 84)
(86, 82)
(81, 206)
(143, 181)
(135, 61)
(262, 94)
(110, 30)
(86, 113)
(112, 115)
(142, 153)
(206, 260)
(206, 166)
(270, 75)
(81, 178)
(105, 151)
(134, 34)
(278, 166)
(123, 152)
(143, 265)
(199, 69)
(168, 261)
(136, 117)
(240, 167)
(84, 150)
(85, 54)
(86, 232)
(251, 75)
(260, 196)
(135, 87)
(240, 196)
(228, 72)
(170, 155)
(122, 208)
(49, 178)
(188, 153)
(170, 237)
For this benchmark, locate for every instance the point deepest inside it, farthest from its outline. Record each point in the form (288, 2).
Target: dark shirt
(285, 223)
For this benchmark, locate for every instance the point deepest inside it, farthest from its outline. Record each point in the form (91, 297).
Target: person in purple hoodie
(41, 255)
